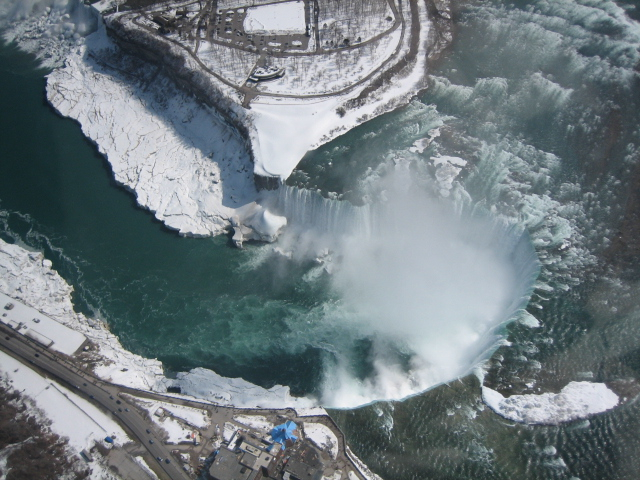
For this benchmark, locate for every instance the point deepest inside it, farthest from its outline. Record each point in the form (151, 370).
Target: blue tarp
(284, 432)
(108, 440)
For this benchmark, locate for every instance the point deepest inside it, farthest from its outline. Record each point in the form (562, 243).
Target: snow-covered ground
(28, 277)
(229, 431)
(177, 420)
(331, 72)
(180, 159)
(257, 422)
(190, 415)
(276, 18)
(323, 437)
(71, 416)
(284, 130)
(207, 384)
(176, 431)
(575, 401)
(273, 123)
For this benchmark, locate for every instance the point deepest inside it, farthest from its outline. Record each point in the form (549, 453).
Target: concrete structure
(227, 466)
(246, 458)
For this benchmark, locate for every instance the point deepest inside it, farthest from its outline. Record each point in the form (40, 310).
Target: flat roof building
(304, 464)
(248, 462)
(46, 331)
(227, 466)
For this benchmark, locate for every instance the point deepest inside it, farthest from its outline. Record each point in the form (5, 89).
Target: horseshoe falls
(485, 235)
(422, 288)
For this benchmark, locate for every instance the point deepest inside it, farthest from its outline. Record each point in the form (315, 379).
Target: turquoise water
(189, 302)
(542, 98)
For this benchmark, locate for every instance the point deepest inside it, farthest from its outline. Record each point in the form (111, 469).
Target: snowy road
(102, 393)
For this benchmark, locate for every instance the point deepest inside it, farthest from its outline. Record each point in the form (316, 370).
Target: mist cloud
(424, 284)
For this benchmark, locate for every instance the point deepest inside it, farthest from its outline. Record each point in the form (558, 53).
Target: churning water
(537, 103)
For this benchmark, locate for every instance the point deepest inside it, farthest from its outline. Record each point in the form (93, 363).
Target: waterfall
(308, 210)
(415, 274)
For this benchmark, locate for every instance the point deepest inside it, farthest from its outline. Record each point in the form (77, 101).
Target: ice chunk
(575, 401)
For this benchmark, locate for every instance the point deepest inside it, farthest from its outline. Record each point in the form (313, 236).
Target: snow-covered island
(334, 64)
(190, 103)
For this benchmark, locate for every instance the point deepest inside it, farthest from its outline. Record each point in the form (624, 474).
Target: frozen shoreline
(281, 128)
(183, 162)
(179, 159)
(28, 277)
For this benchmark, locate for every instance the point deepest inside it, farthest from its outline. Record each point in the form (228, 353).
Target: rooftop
(31, 323)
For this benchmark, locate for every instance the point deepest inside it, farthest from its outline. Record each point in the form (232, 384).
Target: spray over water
(423, 288)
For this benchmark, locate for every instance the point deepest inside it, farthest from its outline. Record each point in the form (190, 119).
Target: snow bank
(257, 422)
(145, 466)
(190, 415)
(28, 277)
(176, 431)
(207, 384)
(284, 132)
(31, 323)
(575, 401)
(182, 162)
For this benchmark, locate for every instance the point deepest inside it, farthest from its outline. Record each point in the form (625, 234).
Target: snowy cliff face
(181, 160)
(50, 29)
(180, 141)
(29, 278)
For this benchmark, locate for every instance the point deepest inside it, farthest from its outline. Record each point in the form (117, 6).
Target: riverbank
(28, 278)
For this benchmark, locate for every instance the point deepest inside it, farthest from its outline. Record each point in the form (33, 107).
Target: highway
(102, 393)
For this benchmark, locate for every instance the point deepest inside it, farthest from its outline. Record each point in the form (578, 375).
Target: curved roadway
(250, 92)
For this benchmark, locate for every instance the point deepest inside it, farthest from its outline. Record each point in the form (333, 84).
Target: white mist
(424, 285)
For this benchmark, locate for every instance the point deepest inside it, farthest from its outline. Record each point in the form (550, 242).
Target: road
(115, 399)
(102, 393)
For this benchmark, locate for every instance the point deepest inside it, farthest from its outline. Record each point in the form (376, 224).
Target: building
(249, 461)
(304, 464)
(250, 456)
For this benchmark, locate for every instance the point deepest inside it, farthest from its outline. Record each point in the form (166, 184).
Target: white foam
(422, 280)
